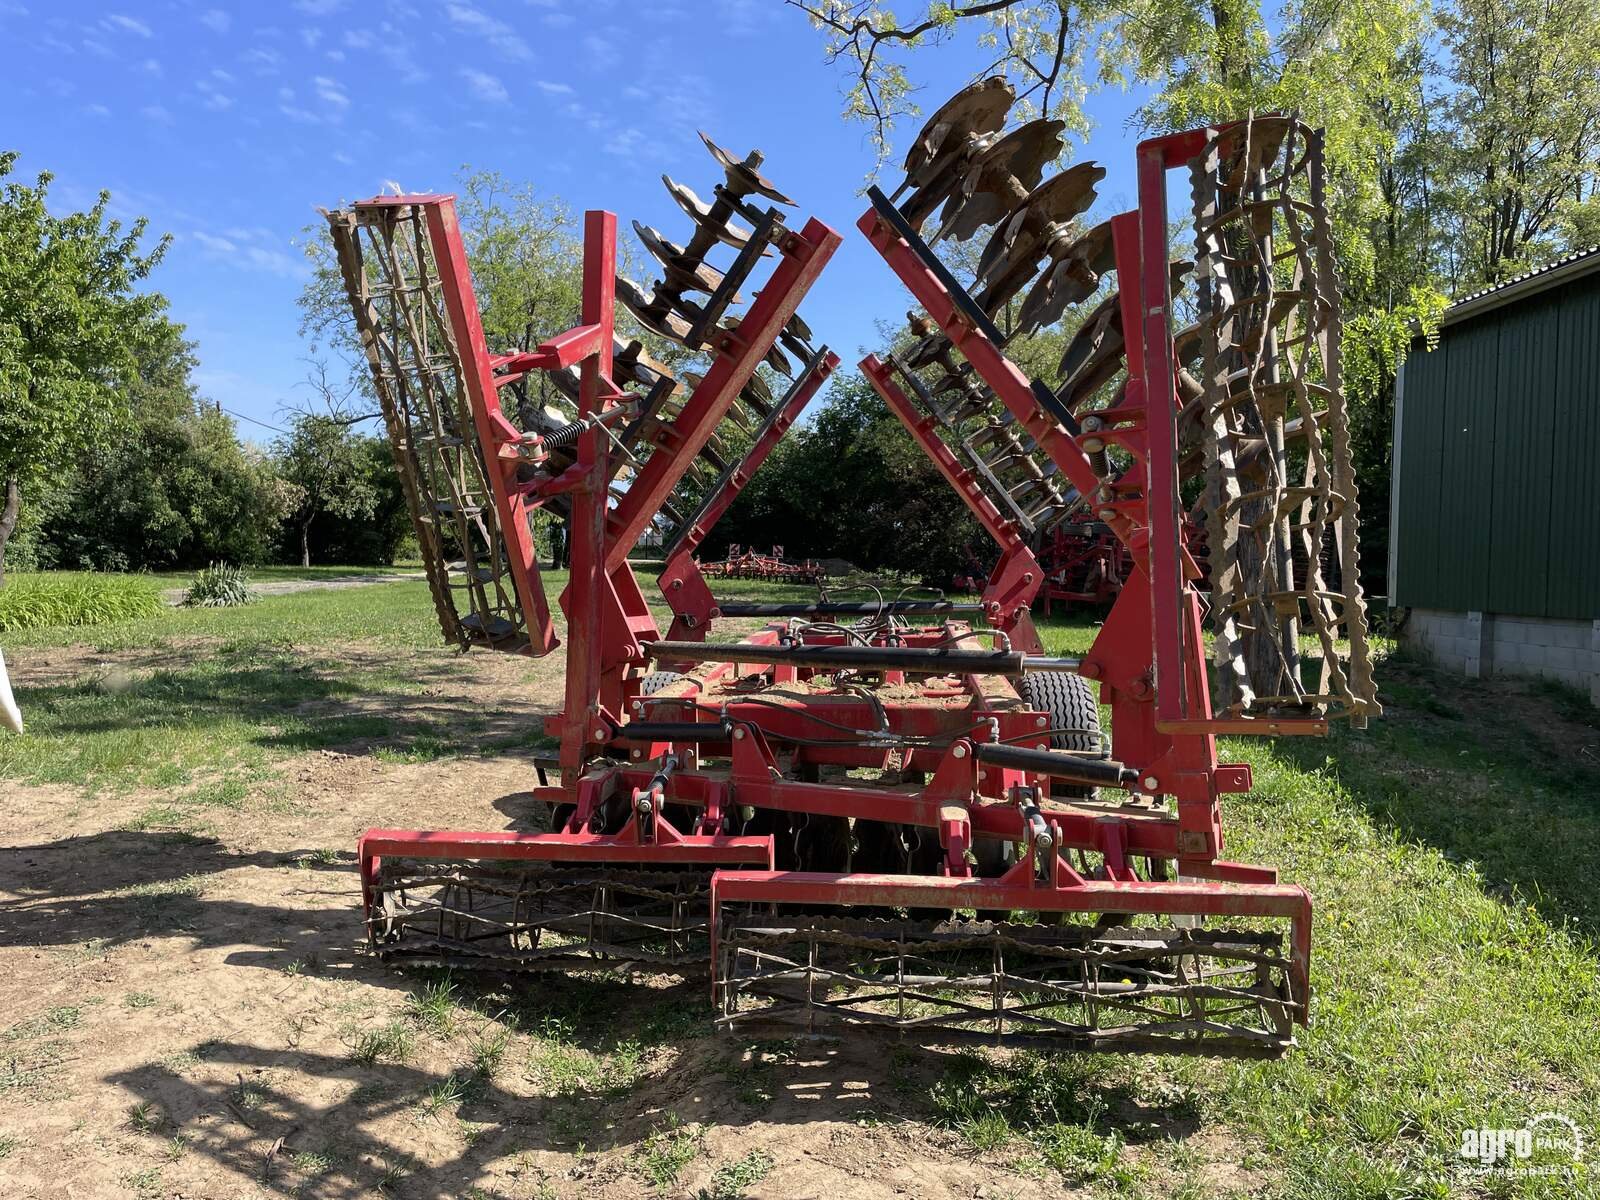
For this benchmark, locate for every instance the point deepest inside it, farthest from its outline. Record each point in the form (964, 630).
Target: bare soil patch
(194, 1015)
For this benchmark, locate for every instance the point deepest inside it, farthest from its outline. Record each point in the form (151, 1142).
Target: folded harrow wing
(901, 815)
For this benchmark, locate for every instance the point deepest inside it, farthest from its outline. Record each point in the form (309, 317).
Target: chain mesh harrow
(395, 291)
(1280, 484)
(538, 917)
(1071, 986)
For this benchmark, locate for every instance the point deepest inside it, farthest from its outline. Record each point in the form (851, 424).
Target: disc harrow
(899, 815)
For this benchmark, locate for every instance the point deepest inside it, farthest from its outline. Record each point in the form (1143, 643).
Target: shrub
(35, 601)
(218, 586)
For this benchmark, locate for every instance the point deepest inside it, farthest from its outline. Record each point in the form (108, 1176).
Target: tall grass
(46, 600)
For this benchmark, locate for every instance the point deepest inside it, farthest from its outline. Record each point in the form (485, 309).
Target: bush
(218, 586)
(35, 601)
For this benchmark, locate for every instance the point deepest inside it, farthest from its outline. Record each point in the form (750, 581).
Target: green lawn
(1453, 851)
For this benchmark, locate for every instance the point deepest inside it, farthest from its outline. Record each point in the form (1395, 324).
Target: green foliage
(218, 586)
(71, 322)
(44, 601)
(330, 468)
(853, 484)
(1523, 106)
(177, 490)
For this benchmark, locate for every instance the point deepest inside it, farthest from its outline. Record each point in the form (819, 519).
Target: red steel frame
(1008, 595)
(681, 582)
(1148, 657)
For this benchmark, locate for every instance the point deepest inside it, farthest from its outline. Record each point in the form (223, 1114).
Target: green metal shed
(1494, 532)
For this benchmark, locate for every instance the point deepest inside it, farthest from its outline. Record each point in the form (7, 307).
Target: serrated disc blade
(999, 176)
(681, 271)
(1055, 202)
(698, 211)
(977, 109)
(668, 324)
(743, 177)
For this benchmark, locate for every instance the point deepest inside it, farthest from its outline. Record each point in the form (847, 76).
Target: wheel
(1070, 704)
(1074, 717)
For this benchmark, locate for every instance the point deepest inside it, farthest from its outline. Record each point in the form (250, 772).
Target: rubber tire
(1069, 702)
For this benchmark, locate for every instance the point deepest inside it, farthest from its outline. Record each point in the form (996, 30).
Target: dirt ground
(193, 1016)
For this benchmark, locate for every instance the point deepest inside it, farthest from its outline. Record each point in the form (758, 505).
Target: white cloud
(212, 96)
(331, 93)
(560, 20)
(216, 20)
(217, 245)
(334, 55)
(554, 89)
(97, 110)
(311, 35)
(156, 113)
(319, 8)
(485, 86)
(151, 67)
(625, 143)
(266, 62)
(119, 23)
(238, 250)
(493, 31)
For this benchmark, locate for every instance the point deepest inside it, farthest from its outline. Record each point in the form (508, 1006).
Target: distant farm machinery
(897, 814)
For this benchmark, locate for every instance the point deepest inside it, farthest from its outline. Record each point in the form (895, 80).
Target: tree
(71, 324)
(1523, 109)
(1354, 67)
(175, 488)
(327, 463)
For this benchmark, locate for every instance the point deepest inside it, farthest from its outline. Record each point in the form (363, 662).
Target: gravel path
(282, 587)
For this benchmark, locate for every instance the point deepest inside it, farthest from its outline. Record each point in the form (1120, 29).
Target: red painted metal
(497, 437)
(1148, 658)
(681, 582)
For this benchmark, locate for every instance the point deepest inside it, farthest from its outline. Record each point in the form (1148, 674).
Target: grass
(1453, 851)
(665, 1153)
(733, 1180)
(390, 1043)
(72, 599)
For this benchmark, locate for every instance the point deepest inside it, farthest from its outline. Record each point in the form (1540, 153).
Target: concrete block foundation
(1483, 644)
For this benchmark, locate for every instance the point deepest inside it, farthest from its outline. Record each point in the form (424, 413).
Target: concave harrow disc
(539, 917)
(1078, 987)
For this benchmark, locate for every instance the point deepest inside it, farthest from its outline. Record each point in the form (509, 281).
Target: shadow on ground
(1504, 773)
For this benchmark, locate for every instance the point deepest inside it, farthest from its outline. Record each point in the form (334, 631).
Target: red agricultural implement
(898, 815)
(752, 564)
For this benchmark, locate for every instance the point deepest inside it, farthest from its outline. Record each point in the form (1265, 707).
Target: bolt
(1043, 722)
(599, 735)
(638, 753)
(1150, 782)
(1093, 445)
(638, 706)
(958, 750)
(1107, 514)
(738, 734)
(677, 585)
(1093, 423)
(1089, 670)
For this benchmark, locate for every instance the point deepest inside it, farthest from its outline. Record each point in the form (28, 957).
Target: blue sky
(228, 124)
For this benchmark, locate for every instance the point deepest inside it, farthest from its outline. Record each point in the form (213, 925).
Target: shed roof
(1568, 267)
